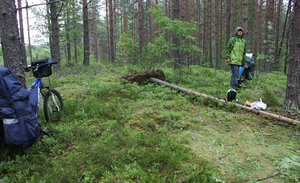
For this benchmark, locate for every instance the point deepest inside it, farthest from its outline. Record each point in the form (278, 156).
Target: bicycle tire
(54, 109)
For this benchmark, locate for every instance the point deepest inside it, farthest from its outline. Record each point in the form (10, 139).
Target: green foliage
(128, 50)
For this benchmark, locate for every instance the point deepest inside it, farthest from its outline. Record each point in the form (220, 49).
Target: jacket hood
(237, 29)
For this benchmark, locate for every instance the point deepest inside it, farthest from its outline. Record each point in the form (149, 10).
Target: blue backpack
(18, 111)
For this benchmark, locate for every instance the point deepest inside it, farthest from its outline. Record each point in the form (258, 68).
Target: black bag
(231, 95)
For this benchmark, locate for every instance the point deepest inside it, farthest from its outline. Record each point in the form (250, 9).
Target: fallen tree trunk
(274, 116)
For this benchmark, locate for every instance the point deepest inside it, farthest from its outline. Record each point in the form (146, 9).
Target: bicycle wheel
(54, 108)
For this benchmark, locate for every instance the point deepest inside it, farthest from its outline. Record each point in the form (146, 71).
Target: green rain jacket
(236, 49)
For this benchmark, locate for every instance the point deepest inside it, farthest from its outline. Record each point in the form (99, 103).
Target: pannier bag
(18, 111)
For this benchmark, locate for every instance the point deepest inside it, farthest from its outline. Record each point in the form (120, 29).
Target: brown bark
(256, 30)
(67, 25)
(175, 15)
(96, 53)
(284, 27)
(221, 32)
(141, 29)
(182, 10)
(111, 33)
(74, 35)
(192, 10)
(217, 34)
(209, 33)
(107, 29)
(54, 47)
(264, 113)
(199, 29)
(260, 45)
(277, 32)
(22, 32)
(234, 17)
(205, 32)
(28, 31)
(187, 11)
(228, 16)
(292, 98)
(245, 22)
(86, 38)
(125, 18)
(166, 8)
(10, 40)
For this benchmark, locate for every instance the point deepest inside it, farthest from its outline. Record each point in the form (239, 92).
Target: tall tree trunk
(141, 29)
(199, 29)
(86, 37)
(284, 27)
(107, 30)
(255, 28)
(22, 32)
(187, 11)
(175, 15)
(221, 33)
(277, 32)
(111, 33)
(10, 40)
(269, 35)
(260, 36)
(151, 26)
(234, 17)
(96, 53)
(209, 34)
(245, 22)
(166, 8)
(205, 32)
(292, 98)
(228, 16)
(217, 33)
(67, 25)
(28, 31)
(125, 18)
(182, 12)
(193, 10)
(74, 34)
(54, 47)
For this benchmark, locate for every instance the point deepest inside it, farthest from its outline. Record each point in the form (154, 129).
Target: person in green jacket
(235, 55)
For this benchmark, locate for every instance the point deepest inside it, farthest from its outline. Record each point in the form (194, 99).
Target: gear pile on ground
(142, 77)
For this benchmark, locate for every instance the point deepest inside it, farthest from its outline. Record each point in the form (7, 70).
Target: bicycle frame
(39, 84)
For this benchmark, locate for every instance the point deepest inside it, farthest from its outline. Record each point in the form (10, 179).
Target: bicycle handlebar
(37, 63)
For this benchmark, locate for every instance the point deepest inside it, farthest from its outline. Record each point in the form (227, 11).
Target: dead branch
(274, 116)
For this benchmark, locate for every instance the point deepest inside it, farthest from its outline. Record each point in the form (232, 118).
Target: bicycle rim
(54, 109)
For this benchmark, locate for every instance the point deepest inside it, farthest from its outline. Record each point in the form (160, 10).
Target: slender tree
(111, 32)
(96, 53)
(260, 43)
(182, 10)
(217, 34)
(74, 33)
(209, 33)
(86, 38)
(221, 31)
(175, 15)
(10, 40)
(245, 18)
(199, 28)
(107, 29)
(228, 16)
(141, 28)
(67, 27)
(234, 17)
(256, 39)
(54, 47)
(277, 32)
(292, 97)
(125, 17)
(22, 32)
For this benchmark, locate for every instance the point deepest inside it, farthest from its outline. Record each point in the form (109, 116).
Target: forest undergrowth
(115, 131)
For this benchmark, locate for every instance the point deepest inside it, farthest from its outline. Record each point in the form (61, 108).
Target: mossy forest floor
(116, 131)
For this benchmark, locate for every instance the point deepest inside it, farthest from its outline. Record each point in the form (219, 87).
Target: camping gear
(258, 105)
(17, 110)
(231, 95)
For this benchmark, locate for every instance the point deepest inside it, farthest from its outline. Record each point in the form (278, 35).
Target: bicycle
(54, 109)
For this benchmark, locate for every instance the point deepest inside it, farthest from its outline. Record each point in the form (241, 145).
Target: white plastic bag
(258, 105)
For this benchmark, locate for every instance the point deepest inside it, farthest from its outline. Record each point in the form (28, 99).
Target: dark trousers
(234, 77)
